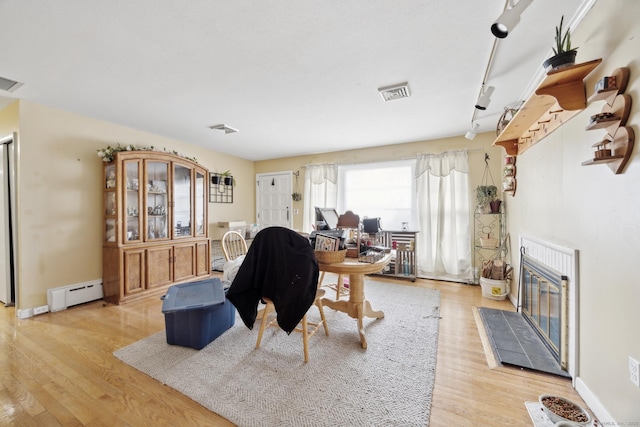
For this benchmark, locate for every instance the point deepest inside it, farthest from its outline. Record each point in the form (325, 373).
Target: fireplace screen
(544, 304)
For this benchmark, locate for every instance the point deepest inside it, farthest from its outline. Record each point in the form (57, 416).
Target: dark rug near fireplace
(515, 342)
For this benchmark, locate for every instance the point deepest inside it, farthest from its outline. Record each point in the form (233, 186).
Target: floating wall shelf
(509, 182)
(615, 149)
(559, 97)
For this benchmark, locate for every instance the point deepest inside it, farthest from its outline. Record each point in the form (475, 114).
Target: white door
(273, 199)
(7, 261)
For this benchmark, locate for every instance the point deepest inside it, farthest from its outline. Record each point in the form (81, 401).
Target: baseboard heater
(68, 296)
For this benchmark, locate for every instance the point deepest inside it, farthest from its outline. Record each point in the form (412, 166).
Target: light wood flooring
(58, 369)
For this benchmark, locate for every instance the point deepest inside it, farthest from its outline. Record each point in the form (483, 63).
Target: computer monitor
(371, 225)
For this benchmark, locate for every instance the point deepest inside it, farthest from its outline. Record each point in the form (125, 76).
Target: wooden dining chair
(306, 328)
(280, 267)
(233, 245)
(348, 220)
(338, 286)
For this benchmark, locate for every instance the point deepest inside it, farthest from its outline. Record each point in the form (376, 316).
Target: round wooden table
(357, 306)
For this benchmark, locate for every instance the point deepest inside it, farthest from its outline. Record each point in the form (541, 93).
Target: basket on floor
(330, 257)
(494, 289)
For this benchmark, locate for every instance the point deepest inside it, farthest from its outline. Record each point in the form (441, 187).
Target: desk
(357, 306)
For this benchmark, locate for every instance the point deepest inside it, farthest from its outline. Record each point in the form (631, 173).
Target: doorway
(8, 248)
(273, 199)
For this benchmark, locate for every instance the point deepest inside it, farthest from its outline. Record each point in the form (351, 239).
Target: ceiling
(294, 77)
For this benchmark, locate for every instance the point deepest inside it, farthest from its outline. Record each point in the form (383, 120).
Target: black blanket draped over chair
(280, 266)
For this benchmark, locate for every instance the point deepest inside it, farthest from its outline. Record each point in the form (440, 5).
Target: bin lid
(193, 295)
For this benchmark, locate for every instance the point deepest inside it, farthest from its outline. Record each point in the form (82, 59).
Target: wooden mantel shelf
(559, 97)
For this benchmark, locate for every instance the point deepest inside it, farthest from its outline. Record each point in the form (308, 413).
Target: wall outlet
(41, 309)
(634, 371)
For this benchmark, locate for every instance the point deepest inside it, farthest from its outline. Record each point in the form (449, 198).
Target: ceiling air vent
(398, 91)
(8, 84)
(223, 128)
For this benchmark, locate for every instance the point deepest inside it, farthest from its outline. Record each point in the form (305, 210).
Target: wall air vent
(223, 128)
(8, 84)
(390, 93)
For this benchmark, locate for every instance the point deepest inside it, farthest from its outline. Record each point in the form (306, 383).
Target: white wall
(591, 209)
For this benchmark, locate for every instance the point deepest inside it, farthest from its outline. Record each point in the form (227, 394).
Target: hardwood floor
(58, 369)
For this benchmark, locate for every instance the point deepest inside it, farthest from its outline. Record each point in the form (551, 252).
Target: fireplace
(543, 303)
(548, 297)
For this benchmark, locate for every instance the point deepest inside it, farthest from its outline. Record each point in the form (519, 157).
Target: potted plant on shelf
(485, 194)
(564, 54)
(495, 205)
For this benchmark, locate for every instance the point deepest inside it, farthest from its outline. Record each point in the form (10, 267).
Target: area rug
(390, 383)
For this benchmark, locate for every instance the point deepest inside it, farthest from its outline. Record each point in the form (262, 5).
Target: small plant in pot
(495, 205)
(485, 194)
(564, 54)
(228, 178)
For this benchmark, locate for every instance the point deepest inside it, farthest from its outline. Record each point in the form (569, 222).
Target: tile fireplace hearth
(515, 342)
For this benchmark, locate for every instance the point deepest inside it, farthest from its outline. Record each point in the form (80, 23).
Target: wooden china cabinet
(155, 224)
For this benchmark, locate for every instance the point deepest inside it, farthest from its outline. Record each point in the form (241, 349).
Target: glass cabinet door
(157, 200)
(182, 201)
(132, 200)
(110, 177)
(201, 203)
(110, 205)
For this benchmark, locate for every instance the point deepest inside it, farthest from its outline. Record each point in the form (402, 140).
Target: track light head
(472, 132)
(507, 21)
(485, 98)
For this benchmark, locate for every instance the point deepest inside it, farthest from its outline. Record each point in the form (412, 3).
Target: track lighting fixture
(472, 132)
(485, 97)
(509, 18)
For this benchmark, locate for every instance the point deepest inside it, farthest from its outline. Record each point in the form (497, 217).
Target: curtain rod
(387, 161)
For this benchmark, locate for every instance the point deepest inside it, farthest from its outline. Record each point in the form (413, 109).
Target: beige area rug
(388, 384)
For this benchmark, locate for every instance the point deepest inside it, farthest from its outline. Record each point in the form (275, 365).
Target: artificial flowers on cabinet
(107, 154)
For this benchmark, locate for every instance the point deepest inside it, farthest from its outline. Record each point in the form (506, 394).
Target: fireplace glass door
(542, 302)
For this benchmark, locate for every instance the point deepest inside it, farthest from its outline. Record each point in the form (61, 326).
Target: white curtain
(443, 244)
(320, 190)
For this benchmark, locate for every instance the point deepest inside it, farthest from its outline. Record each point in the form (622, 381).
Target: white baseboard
(594, 403)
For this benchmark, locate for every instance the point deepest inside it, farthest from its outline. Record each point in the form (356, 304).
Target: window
(379, 190)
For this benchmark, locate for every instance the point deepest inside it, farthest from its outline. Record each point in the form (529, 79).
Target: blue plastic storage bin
(197, 313)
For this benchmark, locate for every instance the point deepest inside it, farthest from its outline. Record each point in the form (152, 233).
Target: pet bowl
(558, 409)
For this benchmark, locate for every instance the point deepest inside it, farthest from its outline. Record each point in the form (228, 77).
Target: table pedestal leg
(357, 307)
